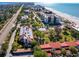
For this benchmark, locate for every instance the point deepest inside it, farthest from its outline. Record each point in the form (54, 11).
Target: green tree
(73, 50)
(37, 48)
(39, 53)
(2, 53)
(36, 24)
(63, 51)
(46, 39)
(15, 46)
(52, 35)
(33, 43)
(39, 34)
(5, 46)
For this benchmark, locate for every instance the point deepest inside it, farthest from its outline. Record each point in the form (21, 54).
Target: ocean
(5, 3)
(68, 8)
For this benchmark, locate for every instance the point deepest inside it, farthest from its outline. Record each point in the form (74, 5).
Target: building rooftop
(77, 42)
(55, 45)
(64, 44)
(45, 46)
(47, 50)
(42, 29)
(24, 17)
(38, 6)
(22, 50)
(26, 32)
(71, 43)
(27, 10)
(59, 45)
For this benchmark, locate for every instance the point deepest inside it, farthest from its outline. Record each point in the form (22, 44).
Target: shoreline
(68, 17)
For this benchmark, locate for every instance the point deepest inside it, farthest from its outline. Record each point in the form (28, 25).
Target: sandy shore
(67, 16)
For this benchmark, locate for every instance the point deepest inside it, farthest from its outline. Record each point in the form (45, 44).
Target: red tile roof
(59, 45)
(64, 44)
(77, 42)
(49, 54)
(71, 43)
(45, 46)
(47, 49)
(23, 50)
(51, 45)
(55, 45)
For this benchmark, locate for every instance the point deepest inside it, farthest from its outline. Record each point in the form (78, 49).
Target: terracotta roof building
(45, 46)
(55, 45)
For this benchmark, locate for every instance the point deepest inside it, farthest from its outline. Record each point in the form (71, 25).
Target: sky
(43, 1)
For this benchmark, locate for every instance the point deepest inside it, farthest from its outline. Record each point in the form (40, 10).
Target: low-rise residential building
(24, 17)
(38, 8)
(48, 11)
(27, 12)
(42, 29)
(29, 5)
(22, 52)
(57, 46)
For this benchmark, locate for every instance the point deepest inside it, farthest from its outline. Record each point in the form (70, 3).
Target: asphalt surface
(8, 26)
(10, 44)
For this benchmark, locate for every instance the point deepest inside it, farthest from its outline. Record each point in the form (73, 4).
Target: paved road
(9, 25)
(10, 44)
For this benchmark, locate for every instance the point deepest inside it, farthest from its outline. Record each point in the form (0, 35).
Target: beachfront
(72, 19)
(43, 32)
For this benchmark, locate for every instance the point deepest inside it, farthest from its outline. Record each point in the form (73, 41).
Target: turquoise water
(72, 9)
(5, 3)
(69, 8)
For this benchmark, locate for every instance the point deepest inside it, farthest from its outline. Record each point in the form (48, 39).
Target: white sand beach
(66, 17)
